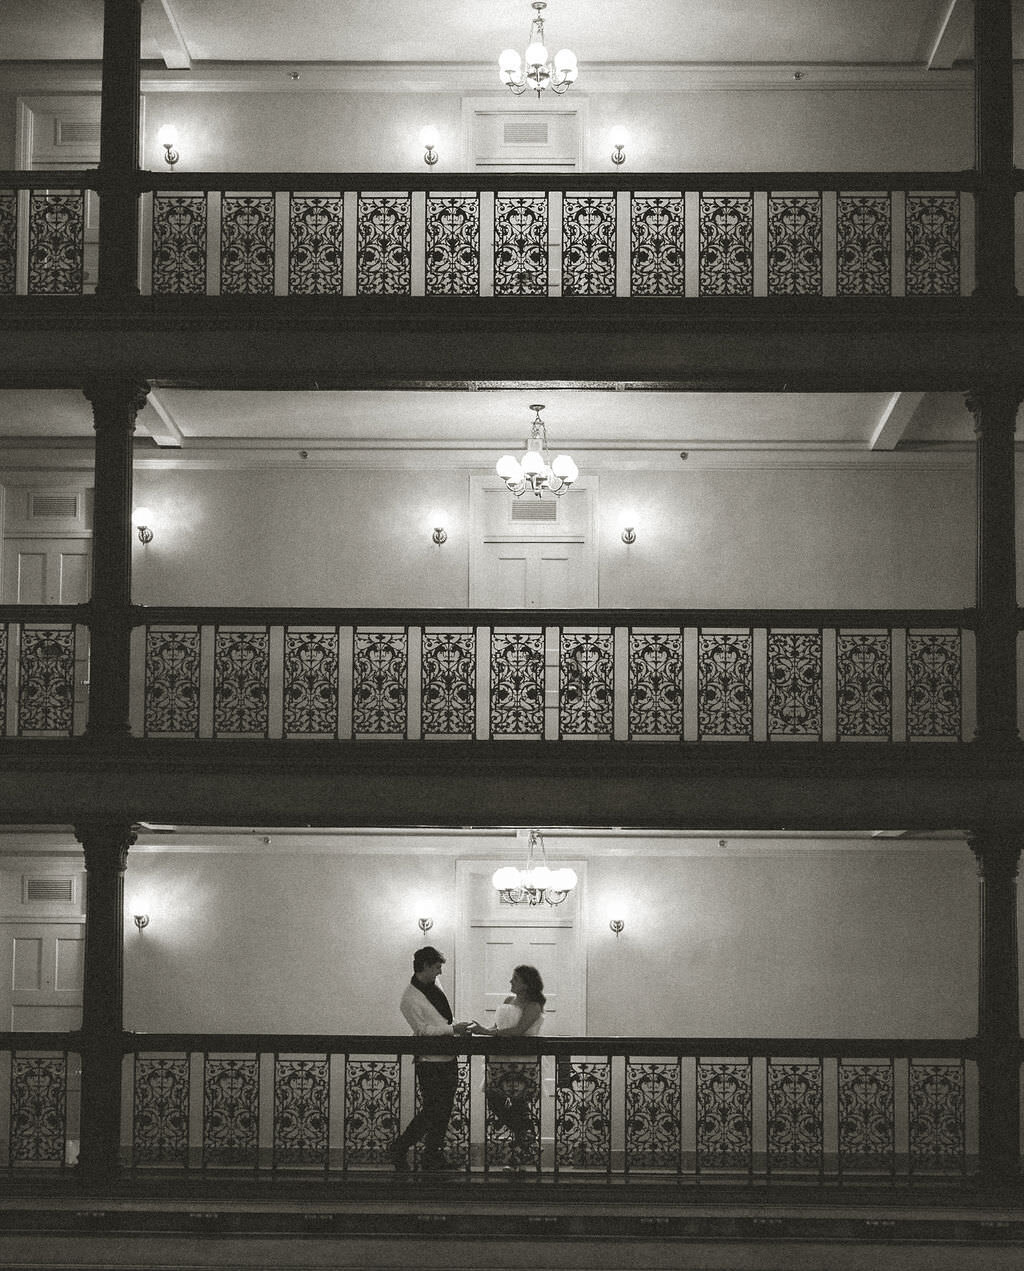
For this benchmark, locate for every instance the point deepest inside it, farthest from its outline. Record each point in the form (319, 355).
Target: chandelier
(532, 471)
(536, 884)
(539, 72)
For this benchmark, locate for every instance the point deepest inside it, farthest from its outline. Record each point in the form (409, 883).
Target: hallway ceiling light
(538, 73)
(533, 472)
(536, 883)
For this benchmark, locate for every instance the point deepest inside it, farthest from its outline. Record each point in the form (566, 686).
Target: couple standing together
(508, 1086)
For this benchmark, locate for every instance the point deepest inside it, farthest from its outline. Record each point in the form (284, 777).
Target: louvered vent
(77, 132)
(525, 132)
(535, 510)
(52, 507)
(50, 887)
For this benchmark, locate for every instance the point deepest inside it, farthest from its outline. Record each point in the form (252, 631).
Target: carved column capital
(116, 401)
(997, 853)
(106, 843)
(994, 406)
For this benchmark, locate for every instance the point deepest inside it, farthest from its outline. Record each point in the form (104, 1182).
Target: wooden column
(995, 421)
(119, 149)
(998, 855)
(115, 405)
(993, 148)
(105, 844)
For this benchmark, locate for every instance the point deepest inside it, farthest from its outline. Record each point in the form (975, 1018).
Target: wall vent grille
(534, 510)
(52, 507)
(76, 132)
(525, 132)
(49, 887)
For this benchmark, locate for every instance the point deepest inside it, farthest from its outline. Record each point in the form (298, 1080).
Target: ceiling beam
(160, 25)
(949, 38)
(164, 429)
(898, 412)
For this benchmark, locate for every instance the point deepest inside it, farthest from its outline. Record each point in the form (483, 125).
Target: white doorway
(41, 967)
(531, 553)
(46, 571)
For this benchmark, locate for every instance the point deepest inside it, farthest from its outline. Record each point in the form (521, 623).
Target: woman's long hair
(534, 991)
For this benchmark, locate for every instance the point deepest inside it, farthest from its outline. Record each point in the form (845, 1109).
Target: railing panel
(41, 666)
(39, 1106)
(433, 682)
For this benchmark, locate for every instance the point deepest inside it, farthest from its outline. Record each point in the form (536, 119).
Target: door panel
(41, 976)
(46, 571)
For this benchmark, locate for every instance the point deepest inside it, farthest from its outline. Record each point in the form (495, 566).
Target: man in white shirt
(428, 1014)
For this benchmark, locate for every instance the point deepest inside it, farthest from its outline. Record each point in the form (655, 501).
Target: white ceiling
(426, 427)
(609, 32)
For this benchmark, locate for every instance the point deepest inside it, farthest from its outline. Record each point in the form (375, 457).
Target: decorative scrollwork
(453, 245)
(56, 243)
(863, 245)
(655, 684)
(583, 1114)
(247, 245)
(517, 683)
(520, 245)
(47, 680)
(867, 1128)
(933, 244)
(311, 683)
(588, 245)
(794, 684)
(372, 1109)
(795, 1123)
(231, 1118)
(316, 245)
(241, 683)
(794, 245)
(653, 1103)
(725, 685)
(864, 684)
(937, 1117)
(160, 1113)
(934, 684)
(179, 244)
(724, 1116)
(4, 641)
(448, 698)
(586, 672)
(726, 245)
(171, 694)
(8, 241)
(380, 673)
(384, 235)
(39, 1092)
(301, 1103)
(658, 245)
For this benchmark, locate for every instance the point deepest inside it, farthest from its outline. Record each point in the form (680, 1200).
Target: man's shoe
(399, 1158)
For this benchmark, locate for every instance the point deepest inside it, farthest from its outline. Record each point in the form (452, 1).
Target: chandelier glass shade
(532, 471)
(534, 70)
(536, 883)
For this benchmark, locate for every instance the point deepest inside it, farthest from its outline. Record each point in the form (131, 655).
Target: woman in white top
(512, 1081)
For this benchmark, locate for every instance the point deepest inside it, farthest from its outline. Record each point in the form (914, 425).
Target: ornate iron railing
(744, 1109)
(39, 1101)
(43, 673)
(602, 675)
(471, 234)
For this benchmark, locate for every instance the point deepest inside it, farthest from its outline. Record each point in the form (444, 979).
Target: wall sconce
(616, 922)
(438, 527)
(619, 137)
(628, 535)
(424, 924)
(141, 920)
(168, 138)
(142, 519)
(429, 140)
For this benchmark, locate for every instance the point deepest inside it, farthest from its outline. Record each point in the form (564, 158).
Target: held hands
(464, 1026)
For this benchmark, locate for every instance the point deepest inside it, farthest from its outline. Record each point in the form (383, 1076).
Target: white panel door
(41, 976)
(534, 576)
(46, 571)
(494, 954)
